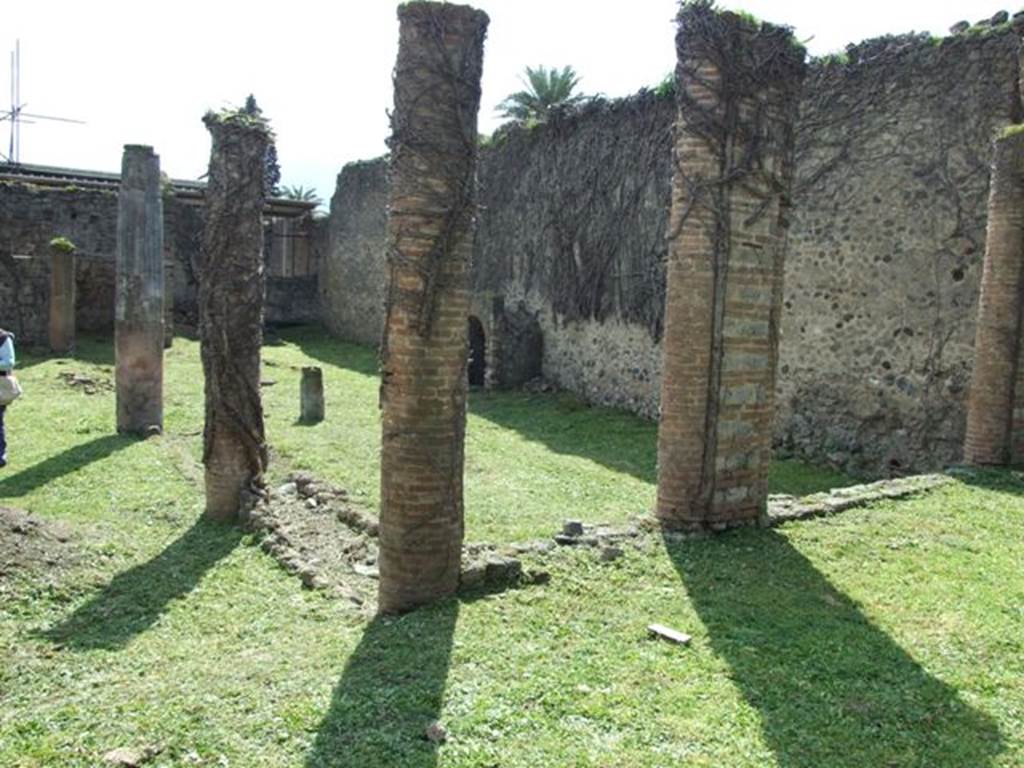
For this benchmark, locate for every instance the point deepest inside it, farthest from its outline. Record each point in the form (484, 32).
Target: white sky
(144, 72)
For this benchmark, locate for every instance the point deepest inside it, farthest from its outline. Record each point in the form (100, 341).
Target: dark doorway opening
(477, 353)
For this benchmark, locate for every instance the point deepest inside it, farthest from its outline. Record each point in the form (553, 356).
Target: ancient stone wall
(31, 216)
(352, 275)
(292, 300)
(571, 234)
(886, 249)
(882, 272)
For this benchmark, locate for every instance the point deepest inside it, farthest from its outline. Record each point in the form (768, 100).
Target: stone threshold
(784, 509)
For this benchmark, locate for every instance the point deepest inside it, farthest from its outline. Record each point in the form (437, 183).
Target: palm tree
(307, 195)
(546, 88)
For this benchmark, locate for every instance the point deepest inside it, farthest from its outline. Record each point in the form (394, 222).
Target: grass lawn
(887, 636)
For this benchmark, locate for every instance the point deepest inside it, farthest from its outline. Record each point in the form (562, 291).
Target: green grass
(888, 636)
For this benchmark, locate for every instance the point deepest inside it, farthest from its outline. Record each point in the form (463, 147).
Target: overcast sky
(144, 73)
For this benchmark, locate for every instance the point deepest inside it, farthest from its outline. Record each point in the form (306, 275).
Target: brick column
(139, 294)
(737, 91)
(993, 433)
(62, 296)
(430, 231)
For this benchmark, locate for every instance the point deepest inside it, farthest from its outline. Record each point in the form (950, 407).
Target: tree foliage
(545, 88)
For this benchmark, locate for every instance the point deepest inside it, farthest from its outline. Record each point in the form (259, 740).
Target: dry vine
(737, 91)
(231, 290)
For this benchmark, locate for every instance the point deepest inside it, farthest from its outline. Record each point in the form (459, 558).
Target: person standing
(6, 369)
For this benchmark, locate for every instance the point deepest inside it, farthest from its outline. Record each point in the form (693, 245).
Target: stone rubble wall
(352, 274)
(886, 249)
(31, 216)
(882, 271)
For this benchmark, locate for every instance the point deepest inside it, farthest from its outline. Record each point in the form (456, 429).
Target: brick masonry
(432, 207)
(733, 159)
(993, 431)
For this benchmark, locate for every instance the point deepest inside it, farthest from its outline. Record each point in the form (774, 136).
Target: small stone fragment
(472, 576)
(1001, 17)
(608, 554)
(960, 27)
(436, 733)
(660, 630)
(288, 489)
(538, 577)
(131, 757)
(369, 571)
(572, 528)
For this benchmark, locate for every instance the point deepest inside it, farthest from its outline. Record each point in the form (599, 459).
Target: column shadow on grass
(831, 688)
(316, 344)
(63, 463)
(135, 599)
(391, 690)
(563, 423)
(617, 439)
(1000, 479)
(89, 348)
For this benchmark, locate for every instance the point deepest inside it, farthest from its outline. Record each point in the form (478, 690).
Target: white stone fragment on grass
(660, 630)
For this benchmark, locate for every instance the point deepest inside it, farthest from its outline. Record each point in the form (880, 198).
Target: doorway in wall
(477, 353)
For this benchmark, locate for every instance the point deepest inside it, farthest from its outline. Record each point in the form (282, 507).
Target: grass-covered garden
(887, 636)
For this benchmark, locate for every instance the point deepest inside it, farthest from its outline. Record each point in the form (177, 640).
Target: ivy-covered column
(737, 88)
(430, 229)
(139, 294)
(231, 291)
(995, 431)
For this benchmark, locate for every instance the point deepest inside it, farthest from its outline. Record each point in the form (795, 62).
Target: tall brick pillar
(993, 429)
(737, 91)
(430, 230)
(139, 294)
(62, 296)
